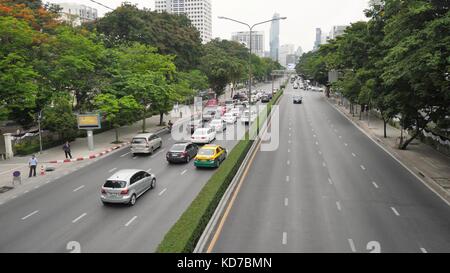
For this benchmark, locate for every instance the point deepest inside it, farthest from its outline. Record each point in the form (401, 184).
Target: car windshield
(178, 148)
(200, 132)
(207, 152)
(115, 184)
(139, 141)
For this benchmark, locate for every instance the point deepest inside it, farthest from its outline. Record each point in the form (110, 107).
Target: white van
(145, 143)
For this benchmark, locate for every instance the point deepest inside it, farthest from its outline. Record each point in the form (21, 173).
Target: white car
(203, 136)
(145, 144)
(229, 118)
(236, 112)
(248, 116)
(218, 125)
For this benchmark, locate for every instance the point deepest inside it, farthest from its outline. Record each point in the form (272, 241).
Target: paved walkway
(429, 164)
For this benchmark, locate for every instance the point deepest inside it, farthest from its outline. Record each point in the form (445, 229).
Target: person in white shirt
(32, 162)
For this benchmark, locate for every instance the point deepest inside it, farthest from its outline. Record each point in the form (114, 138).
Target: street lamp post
(40, 133)
(250, 48)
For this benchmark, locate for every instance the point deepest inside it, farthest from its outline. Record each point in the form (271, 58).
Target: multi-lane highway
(69, 209)
(329, 188)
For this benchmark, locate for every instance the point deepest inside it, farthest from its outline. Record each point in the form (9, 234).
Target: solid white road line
(352, 245)
(363, 168)
(284, 241)
(183, 172)
(29, 215)
(162, 192)
(110, 171)
(131, 221)
(375, 185)
(79, 188)
(395, 211)
(125, 154)
(330, 181)
(423, 250)
(338, 205)
(79, 218)
(286, 202)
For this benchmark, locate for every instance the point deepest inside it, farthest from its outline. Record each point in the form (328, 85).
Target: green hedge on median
(185, 233)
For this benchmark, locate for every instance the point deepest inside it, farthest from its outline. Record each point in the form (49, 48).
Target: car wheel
(153, 183)
(152, 151)
(188, 159)
(132, 200)
(218, 163)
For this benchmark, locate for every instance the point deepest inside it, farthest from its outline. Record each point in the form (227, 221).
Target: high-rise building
(275, 38)
(299, 51)
(337, 31)
(77, 14)
(285, 50)
(318, 40)
(198, 11)
(257, 41)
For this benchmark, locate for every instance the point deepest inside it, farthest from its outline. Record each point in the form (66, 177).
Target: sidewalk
(430, 165)
(102, 143)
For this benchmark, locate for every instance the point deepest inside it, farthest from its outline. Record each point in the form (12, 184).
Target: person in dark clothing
(67, 151)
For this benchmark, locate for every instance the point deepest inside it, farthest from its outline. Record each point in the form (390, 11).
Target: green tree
(170, 34)
(58, 117)
(17, 75)
(117, 111)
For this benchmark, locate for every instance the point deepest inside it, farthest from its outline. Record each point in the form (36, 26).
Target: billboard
(89, 121)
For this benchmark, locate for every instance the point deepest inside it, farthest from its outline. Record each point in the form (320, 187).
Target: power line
(101, 4)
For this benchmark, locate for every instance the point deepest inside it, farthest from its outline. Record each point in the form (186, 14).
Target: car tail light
(103, 191)
(185, 153)
(203, 137)
(124, 192)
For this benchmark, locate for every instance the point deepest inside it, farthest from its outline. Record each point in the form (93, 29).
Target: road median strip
(186, 232)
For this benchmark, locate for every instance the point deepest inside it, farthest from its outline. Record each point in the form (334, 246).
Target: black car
(182, 152)
(297, 99)
(265, 98)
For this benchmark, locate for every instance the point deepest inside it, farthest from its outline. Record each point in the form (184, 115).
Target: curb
(89, 157)
(430, 184)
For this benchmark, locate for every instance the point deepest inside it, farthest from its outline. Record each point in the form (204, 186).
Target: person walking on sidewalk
(32, 163)
(67, 151)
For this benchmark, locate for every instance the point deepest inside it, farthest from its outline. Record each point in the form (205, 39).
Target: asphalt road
(329, 188)
(69, 209)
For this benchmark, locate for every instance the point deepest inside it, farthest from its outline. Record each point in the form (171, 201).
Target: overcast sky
(299, 28)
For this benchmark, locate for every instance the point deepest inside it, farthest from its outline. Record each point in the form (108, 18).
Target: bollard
(42, 170)
(16, 178)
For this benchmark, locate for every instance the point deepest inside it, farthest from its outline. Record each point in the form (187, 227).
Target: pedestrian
(32, 163)
(66, 148)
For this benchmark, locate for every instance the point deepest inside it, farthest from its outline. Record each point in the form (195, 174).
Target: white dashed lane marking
(352, 245)
(79, 218)
(284, 240)
(110, 171)
(131, 221)
(286, 202)
(79, 188)
(363, 168)
(29, 215)
(375, 185)
(162, 192)
(395, 211)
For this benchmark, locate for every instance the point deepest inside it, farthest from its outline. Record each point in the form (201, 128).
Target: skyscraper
(275, 38)
(285, 51)
(76, 13)
(257, 41)
(318, 41)
(198, 11)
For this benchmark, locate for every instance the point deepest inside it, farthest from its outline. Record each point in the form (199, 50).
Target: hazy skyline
(304, 16)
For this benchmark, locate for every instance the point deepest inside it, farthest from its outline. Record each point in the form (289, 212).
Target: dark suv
(182, 152)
